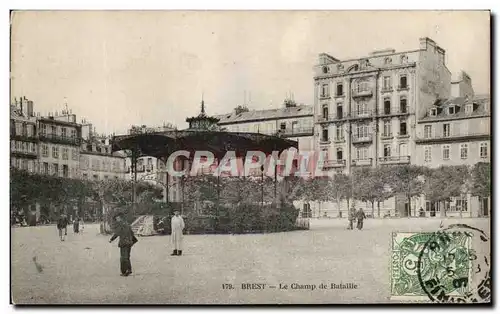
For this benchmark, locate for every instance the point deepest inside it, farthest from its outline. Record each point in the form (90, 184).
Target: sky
(123, 68)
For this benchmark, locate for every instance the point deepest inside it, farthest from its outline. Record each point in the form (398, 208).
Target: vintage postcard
(250, 157)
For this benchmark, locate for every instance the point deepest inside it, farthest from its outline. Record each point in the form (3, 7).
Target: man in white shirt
(177, 228)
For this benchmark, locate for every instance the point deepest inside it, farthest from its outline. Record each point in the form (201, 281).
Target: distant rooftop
(266, 114)
(481, 108)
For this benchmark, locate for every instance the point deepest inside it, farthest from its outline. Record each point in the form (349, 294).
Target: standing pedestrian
(177, 228)
(360, 215)
(61, 224)
(127, 240)
(76, 225)
(351, 216)
(66, 223)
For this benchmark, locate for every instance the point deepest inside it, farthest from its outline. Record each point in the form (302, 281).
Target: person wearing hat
(61, 224)
(127, 240)
(177, 228)
(360, 215)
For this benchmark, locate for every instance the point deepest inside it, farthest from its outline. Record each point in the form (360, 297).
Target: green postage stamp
(447, 266)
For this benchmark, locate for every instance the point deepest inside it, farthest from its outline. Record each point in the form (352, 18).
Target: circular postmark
(454, 265)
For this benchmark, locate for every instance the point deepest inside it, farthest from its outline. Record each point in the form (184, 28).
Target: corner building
(365, 109)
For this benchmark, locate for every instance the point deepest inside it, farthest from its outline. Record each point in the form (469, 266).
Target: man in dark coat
(127, 240)
(61, 224)
(360, 215)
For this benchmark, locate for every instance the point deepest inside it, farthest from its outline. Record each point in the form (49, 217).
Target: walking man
(360, 215)
(61, 224)
(177, 228)
(127, 240)
(351, 216)
(76, 225)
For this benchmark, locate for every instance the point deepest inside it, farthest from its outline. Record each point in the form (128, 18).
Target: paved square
(85, 268)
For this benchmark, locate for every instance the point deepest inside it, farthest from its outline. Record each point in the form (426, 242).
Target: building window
(428, 131)
(325, 111)
(362, 153)
(446, 152)
(55, 152)
(33, 147)
(45, 169)
(324, 135)
(362, 130)
(65, 171)
(469, 109)
(43, 129)
(461, 204)
(404, 59)
(427, 154)
(339, 132)
(402, 128)
(340, 89)
(464, 151)
(324, 153)
(387, 128)
(74, 154)
(325, 91)
(63, 132)
(339, 154)
(362, 86)
(446, 130)
(363, 108)
(451, 110)
(403, 105)
(388, 60)
(433, 112)
(73, 133)
(387, 106)
(483, 150)
(55, 169)
(387, 83)
(283, 126)
(65, 154)
(387, 150)
(403, 149)
(53, 130)
(403, 81)
(340, 113)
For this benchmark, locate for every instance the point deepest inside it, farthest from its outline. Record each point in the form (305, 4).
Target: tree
(340, 188)
(406, 180)
(370, 186)
(444, 183)
(481, 179)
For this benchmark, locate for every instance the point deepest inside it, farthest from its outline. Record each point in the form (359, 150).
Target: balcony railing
(453, 137)
(359, 140)
(24, 153)
(59, 139)
(24, 137)
(394, 111)
(332, 117)
(362, 93)
(296, 131)
(324, 96)
(357, 114)
(336, 163)
(403, 87)
(394, 160)
(362, 162)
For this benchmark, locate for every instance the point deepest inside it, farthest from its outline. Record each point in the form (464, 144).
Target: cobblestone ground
(85, 268)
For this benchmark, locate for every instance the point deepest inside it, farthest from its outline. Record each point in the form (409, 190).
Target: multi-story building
(452, 132)
(23, 136)
(97, 162)
(366, 108)
(60, 137)
(292, 121)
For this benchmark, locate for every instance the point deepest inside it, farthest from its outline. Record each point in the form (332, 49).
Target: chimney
(30, 108)
(21, 106)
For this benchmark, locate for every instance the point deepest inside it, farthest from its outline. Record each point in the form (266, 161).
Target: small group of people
(127, 239)
(354, 215)
(63, 222)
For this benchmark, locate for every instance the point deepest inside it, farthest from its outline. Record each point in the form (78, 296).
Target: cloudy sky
(120, 68)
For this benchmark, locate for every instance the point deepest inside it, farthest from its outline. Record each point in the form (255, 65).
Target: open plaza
(84, 268)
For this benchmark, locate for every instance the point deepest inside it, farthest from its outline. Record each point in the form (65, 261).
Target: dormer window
(388, 60)
(433, 112)
(451, 110)
(325, 69)
(404, 59)
(469, 108)
(340, 67)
